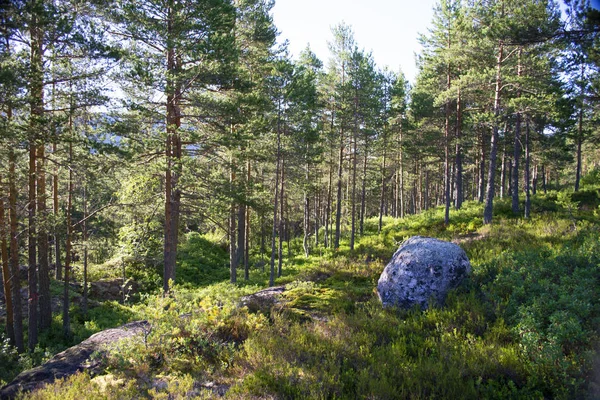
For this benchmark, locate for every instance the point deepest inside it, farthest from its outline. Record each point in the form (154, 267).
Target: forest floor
(525, 325)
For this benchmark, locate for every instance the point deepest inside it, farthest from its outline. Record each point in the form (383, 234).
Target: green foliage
(523, 326)
(83, 386)
(9, 361)
(548, 298)
(591, 180)
(201, 261)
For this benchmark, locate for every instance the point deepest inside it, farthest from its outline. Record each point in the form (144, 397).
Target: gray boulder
(72, 360)
(421, 269)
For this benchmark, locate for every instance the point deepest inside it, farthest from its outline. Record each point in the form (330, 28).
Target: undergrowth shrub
(194, 332)
(548, 297)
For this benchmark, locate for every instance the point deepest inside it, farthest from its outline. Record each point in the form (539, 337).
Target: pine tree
(174, 48)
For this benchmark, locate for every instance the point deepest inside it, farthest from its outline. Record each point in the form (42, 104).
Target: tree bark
(363, 194)
(544, 181)
(579, 133)
(534, 180)
(85, 254)
(42, 241)
(306, 223)
(517, 150)
(247, 231)
(383, 187)
(527, 172)
(481, 177)
(173, 151)
(489, 196)
(503, 172)
(36, 92)
(240, 251)
(55, 208)
(447, 200)
(401, 170)
(326, 241)
(68, 247)
(579, 147)
(241, 235)
(32, 277)
(354, 171)
(458, 159)
(281, 219)
(338, 210)
(14, 251)
(276, 199)
(6, 275)
(233, 255)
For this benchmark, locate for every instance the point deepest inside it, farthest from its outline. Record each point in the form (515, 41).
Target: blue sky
(388, 28)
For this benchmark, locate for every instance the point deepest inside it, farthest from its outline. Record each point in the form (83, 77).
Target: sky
(388, 28)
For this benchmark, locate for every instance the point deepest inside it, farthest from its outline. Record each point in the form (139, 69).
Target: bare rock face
(421, 269)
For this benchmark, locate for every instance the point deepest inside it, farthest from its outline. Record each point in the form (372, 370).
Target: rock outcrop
(70, 361)
(263, 300)
(422, 269)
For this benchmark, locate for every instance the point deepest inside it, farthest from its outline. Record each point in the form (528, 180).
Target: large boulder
(72, 360)
(421, 269)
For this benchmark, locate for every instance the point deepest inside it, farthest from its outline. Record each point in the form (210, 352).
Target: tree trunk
(281, 219)
(32, 268)
(36, 91)
(233, 255)
(241, 235)
(318, 211)
(363, 194)
(503, 172)
(481, 181)
(68, 249)
(401, 168)
(383, 187)
(55, 208)
(458, 159)
(306, 223)
(6, 278)
(45, 302)
(447, 199)
(426, 200)
(527, 172)
(14, 251)
(85, 254)
(534, 180)
(421, 202)
(247, 232)
(354, 171)
(579, 133)
(515, 166)
(338, 211)
(579, 146)
(544, 181)
(326, 241)
(173, 157)
(517, 150)
(509, 190)
(276, 199)
(489, 195)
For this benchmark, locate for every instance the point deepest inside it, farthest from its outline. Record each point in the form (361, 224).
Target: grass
(524, 326)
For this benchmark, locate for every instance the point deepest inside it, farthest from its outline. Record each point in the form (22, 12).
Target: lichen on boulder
(422, 269)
